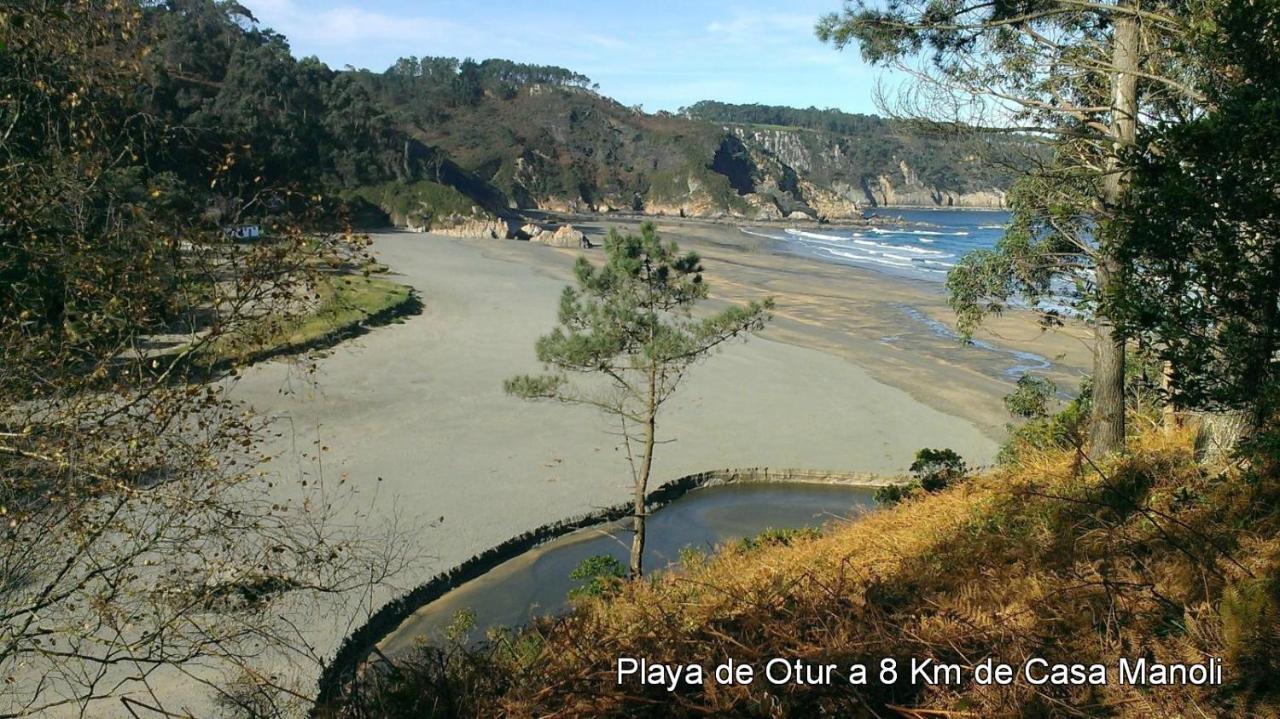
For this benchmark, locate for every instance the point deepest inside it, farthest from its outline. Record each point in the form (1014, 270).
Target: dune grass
(346, 302)
(1150, 555)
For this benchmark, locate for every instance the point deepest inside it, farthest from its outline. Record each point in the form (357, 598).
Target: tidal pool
(537, 582)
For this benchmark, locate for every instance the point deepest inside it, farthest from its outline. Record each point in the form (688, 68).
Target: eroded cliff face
(839, 180)
(577, 152)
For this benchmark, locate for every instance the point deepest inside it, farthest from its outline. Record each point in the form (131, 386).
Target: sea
(924, 245)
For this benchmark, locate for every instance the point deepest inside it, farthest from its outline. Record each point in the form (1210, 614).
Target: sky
(659, 54)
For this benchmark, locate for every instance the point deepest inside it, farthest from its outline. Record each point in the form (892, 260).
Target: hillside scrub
(418, 203)
(1148, 555)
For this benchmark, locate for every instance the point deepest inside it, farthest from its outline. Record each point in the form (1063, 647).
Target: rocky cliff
(569, 149)
(840, 175)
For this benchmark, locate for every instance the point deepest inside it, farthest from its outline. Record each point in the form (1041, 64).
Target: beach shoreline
(412, 420)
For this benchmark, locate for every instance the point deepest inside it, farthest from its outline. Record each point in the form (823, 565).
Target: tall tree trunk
(1168, 384)
(1107, 433)
(642, 480)
(1258, 372)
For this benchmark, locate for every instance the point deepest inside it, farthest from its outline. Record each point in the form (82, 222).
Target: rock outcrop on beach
(475, 227)
(565, 236)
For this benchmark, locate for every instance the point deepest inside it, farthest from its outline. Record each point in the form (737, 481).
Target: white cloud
(753, 28)
(346, 25)
(605, 41)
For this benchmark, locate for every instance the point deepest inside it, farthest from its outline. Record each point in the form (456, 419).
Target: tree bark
(642, 481)
(1108, 428)
(1168, 384)
(1258, 372)
(1108, 431)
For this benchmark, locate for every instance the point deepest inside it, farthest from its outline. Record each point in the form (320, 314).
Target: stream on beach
(538, 582)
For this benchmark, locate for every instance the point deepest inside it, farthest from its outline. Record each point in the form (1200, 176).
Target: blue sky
(659, 54)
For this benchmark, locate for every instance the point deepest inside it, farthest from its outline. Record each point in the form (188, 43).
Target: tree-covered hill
(434, 142)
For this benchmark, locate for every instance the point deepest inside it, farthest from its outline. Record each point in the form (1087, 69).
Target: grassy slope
(1155, 556)
(346, 302)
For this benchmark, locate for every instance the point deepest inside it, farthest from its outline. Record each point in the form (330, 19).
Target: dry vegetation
(1151, 555)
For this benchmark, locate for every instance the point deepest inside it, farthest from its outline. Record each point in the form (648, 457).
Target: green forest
(473, 137)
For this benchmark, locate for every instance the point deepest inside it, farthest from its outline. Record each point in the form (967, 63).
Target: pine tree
(630, 322)
(1078, 74)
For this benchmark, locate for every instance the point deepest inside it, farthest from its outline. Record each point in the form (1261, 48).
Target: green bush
(1031, 397)
(600, 575)
(893, 493)
(420, 203)
(1063, 430)
(935, 469)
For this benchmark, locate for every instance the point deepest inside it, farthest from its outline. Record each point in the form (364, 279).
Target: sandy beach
(413, 418)
(407, 428)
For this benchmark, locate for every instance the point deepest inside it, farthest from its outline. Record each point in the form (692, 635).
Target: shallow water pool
(537, 582)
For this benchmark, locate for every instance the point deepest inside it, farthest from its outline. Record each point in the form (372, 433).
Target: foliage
(1043, 260)
(935, 469)
(1065, 430)
(1031, 397)
(599, 575)
(1207, 299)
(630, 322)
(774, 537)
(832, 120)
(1250, 612)
(139, 542)
(436, 682)
(343, 304)
(891, 494)
(418, 204)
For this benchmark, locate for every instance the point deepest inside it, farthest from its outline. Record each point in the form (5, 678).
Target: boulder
(565, 236)
(470, 227)
(799, 215)
(532, 230)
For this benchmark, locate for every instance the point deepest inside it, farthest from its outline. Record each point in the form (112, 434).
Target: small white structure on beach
(243, 232)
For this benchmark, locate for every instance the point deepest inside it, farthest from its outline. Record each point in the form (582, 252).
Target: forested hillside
(437, 142)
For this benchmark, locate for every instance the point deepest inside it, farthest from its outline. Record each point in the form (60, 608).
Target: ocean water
(925, 246)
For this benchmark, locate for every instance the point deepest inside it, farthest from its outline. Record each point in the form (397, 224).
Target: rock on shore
(565, 236)
(475, 226)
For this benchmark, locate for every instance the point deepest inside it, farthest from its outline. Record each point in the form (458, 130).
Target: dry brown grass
(1133, 558)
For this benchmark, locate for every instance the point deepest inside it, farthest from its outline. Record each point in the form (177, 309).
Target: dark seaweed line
(341, 671)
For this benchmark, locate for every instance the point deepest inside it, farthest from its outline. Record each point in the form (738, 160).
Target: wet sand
(901, 331)
(412, 418)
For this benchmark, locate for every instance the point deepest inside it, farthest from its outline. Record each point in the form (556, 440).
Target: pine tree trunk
(642, 482)
(1107, 434)
(1168, 382)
